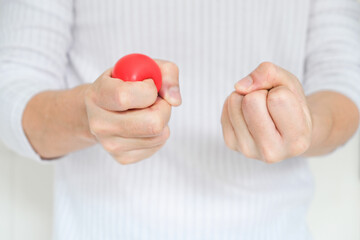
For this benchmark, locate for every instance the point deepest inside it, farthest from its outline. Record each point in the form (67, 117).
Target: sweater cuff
(349, 90)
(12, 109)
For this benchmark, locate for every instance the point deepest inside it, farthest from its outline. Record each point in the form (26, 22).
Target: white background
(26, 196)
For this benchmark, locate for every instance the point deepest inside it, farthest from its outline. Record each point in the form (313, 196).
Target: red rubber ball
(137, 67)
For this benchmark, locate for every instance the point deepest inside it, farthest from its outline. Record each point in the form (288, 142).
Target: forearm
(335, 119)
(55, 122)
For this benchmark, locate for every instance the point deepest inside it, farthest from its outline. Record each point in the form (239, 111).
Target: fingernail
(174, 95)
(244, 83)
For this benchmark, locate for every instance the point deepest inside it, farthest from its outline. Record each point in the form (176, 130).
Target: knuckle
(156, 125)
(97, 127)
(279, 96)
(160, 140)
(126, 160)
(230, 143)
(170, 67)
(269, 155)
(299, 146)
(123, 99)
(250, 100)
(265, 69)
(166, 134)
(235, 100)
(244, 149)
(268, 67)
(151, 91)
(111, 146)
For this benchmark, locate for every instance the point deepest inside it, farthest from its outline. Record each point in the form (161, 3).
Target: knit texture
(194, 187)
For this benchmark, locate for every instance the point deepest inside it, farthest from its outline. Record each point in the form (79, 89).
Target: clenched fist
(267, 117)
(129, 119)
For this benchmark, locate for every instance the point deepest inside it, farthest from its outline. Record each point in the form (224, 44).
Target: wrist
(322, 126)
(321, 129)
(55, 122)
(76, 96)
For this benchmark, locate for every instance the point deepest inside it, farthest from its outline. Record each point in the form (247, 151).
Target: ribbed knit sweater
(194, 187)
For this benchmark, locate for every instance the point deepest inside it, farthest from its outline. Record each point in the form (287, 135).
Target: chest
(205, 33)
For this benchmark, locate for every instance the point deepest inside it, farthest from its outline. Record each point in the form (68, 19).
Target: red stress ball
(137, 67)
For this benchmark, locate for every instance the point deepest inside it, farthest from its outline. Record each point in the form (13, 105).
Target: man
(58, 101)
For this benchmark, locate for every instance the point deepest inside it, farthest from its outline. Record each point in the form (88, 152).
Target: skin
(269, 118)
(127, 118)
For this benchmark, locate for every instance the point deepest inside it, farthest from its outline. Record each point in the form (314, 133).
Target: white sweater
(194, 188)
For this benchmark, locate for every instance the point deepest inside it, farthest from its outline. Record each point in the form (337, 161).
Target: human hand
(129, 119)
(267, 117)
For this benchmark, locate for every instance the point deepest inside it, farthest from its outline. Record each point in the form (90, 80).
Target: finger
(245, 141)
(227, 129)
(136, 155)
(266, 76)
(170, 90)
(116, 144)
(116, 95)
(290, 119)
(148, 122)
(261, 126)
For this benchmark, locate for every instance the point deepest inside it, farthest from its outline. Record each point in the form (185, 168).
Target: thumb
(267, 76)
(170, 90)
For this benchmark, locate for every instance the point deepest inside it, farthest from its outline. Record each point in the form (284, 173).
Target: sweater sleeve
(35, 36)
(333, 48)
